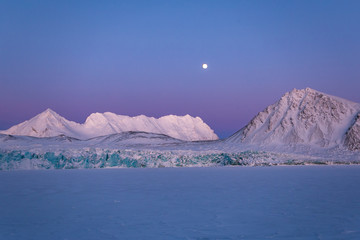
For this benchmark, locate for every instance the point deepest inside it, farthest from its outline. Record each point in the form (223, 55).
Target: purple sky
(145, 57)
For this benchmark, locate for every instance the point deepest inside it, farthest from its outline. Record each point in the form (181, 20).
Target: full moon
(204, 66)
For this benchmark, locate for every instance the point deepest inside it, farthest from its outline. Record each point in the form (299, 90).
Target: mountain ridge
(49, 124)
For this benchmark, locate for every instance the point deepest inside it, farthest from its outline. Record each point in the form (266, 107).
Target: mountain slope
(112, 141)
(305, 117)
(352, 139)
(49, 124)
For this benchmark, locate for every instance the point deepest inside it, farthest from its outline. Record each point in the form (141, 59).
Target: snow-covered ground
(293, 202)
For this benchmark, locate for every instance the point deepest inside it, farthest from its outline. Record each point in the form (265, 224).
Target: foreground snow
(313, 202)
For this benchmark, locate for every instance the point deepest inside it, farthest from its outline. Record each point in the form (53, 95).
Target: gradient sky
(145, 57)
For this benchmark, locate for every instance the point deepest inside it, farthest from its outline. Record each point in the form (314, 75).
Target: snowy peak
(303, 116)
(48, 116)
(45, 124)
(49, 124)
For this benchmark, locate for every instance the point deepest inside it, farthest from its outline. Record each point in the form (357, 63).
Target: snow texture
(313, 202)
(50, 124)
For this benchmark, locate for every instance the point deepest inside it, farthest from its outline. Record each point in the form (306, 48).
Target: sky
(145, 57)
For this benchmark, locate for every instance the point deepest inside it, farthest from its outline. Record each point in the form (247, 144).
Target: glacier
(139, 150)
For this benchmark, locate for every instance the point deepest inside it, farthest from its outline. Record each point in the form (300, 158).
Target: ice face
(102, 158)
(125, 158)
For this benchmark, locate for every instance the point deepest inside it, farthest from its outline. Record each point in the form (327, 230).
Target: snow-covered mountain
(49, 124)
(305, 117)
(45, 124)
(185, 127)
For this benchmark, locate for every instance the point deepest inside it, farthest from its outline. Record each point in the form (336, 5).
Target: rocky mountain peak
(304, 116)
